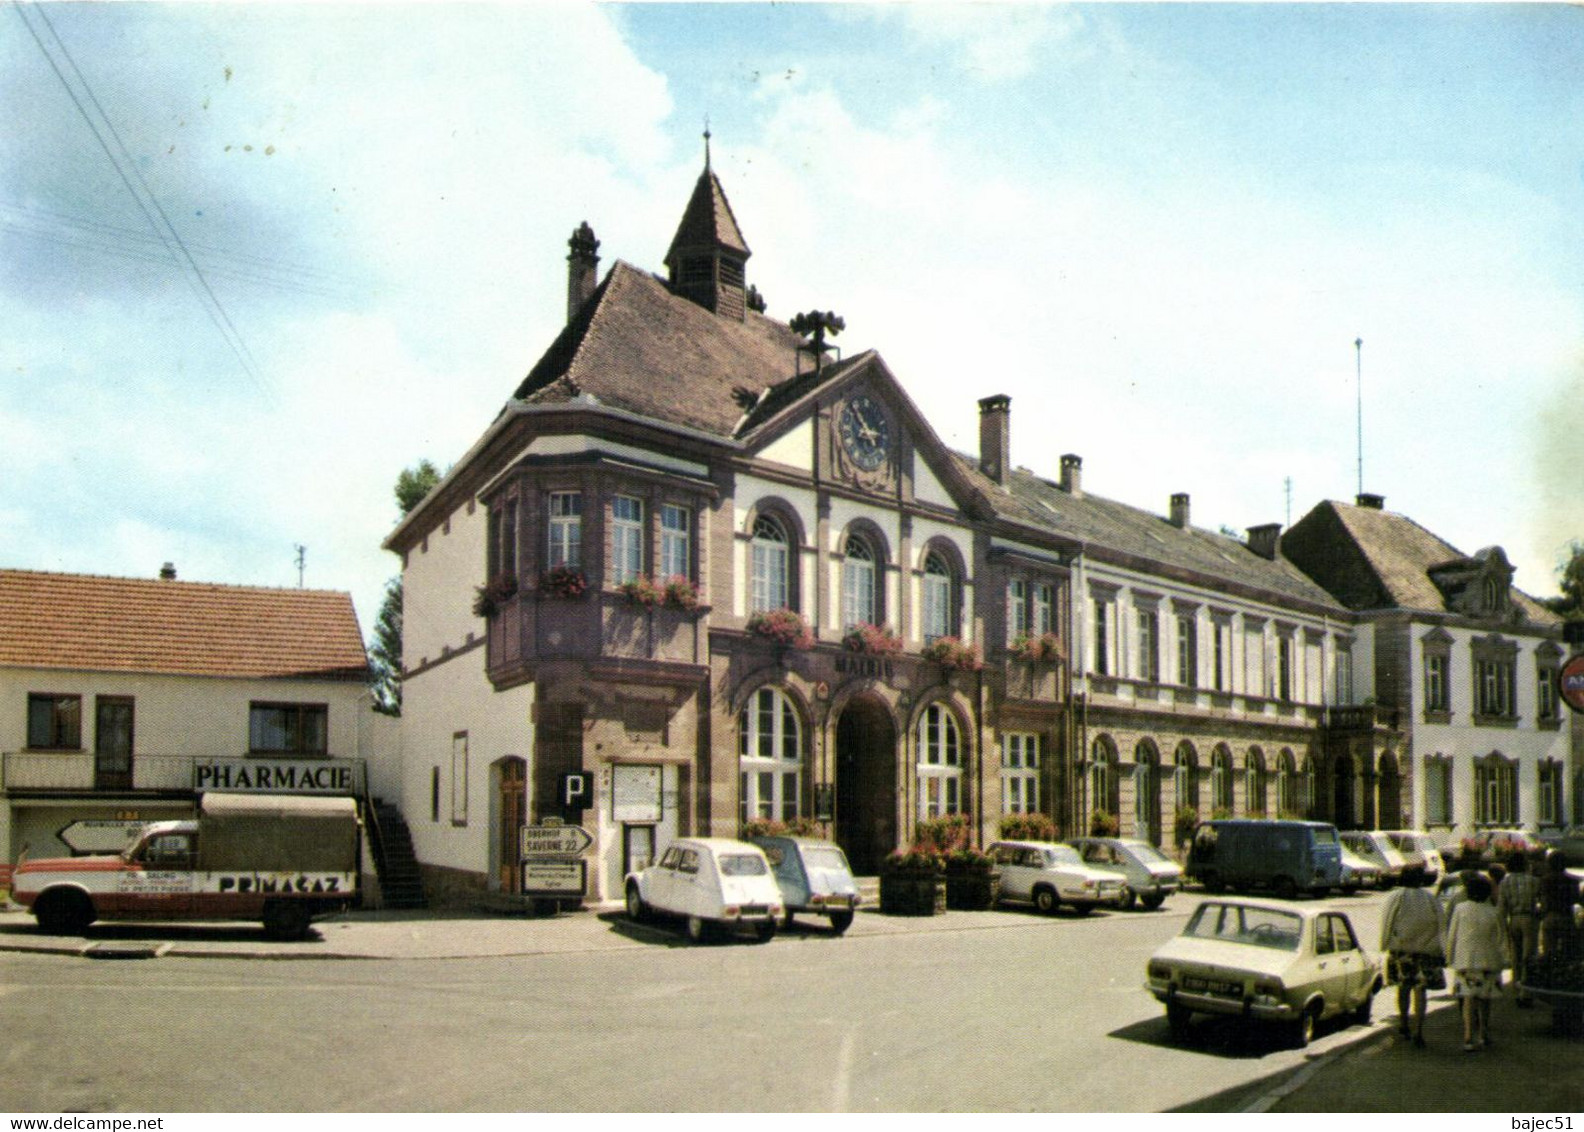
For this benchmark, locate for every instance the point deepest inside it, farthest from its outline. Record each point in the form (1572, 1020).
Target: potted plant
(972, 882)
(872, 640)
(951, 653)
(563, 581)
(784, 627)
(1184, 822)
(1027, 827)
(911, 883)
(1043, 648)
(1103, 823)
(644, 592)
(681, 593)
(488, 598)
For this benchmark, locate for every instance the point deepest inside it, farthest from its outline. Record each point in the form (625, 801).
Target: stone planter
(912, 892)
(973, 890)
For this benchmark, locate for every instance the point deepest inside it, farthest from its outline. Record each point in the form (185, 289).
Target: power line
(150, 206)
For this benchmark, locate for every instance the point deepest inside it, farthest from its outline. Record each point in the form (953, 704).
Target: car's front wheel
(1302, 1029)
(636, 908)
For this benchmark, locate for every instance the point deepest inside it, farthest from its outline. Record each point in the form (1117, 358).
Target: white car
(1357, 872)
(1266, 961)
(1417, 849)
(1047, 875)
(1377, 848)
(1151, 875)
(713, 884)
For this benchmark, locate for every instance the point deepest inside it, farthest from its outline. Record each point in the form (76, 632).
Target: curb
(1378, 1033)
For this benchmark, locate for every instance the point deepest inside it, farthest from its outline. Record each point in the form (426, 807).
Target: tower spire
(706, 144)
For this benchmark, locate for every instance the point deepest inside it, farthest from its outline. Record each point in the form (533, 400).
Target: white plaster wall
(438, 584)
(795, 449)
(927, 488)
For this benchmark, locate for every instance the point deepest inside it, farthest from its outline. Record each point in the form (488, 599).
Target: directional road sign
(99, 835)
(554, 840)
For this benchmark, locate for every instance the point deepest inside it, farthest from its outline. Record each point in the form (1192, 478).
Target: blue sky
(1159, 228)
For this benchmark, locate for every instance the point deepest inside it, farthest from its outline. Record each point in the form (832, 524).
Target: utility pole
(302, 559)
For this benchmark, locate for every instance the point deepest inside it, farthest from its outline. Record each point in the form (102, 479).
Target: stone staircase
(401, 884)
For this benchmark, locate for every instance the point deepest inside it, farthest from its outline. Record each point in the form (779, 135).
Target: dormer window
(1493, 595)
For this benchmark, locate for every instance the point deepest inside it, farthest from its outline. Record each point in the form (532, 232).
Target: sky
(255, 259)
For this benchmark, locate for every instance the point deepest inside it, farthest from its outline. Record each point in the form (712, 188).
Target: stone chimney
(1179, 510)
(582, 268)
(168, 572)
(1265, 540)
(1072, 475)
(1373, 502)
(995, 437)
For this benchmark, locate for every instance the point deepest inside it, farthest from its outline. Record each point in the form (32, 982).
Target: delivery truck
(278, 859)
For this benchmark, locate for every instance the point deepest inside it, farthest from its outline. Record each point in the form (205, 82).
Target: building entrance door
(1343, 792)
(513, 811)
(866, 803)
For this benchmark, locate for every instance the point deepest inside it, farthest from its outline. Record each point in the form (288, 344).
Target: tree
(1571, 577)
(385, 657)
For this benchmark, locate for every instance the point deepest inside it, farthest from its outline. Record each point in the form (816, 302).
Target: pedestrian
(1476, 951)
(1415, 947)
(1518, 902)
(1558, 893)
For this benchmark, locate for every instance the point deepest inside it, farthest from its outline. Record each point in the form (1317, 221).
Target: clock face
(865, 432)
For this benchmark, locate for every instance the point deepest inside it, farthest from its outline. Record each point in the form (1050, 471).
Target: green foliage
(1027, 827)
(1103, 823)
(942, 835)
(414, 483)
(385, 654)
(1570, 577)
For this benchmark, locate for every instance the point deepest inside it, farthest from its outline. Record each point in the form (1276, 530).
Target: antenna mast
(1358, 361)
(302, 559)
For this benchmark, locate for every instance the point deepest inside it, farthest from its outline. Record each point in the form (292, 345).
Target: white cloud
(989, 42)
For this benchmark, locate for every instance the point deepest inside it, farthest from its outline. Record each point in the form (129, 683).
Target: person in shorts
(1414, 943)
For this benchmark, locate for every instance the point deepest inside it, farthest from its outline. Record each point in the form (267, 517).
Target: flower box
(872, 640)
(951, 653)
(972, 882)
(488, 598)
(784, 627)
(1044, 648)
(563, 581)
(912, 884)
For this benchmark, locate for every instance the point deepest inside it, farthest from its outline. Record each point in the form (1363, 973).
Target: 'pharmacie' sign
(279, 776)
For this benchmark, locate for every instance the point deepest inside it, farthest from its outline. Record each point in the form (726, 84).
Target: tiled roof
(636, 346)
(708, 222)
(1400, 554)
(90, 623)
(1105, 527)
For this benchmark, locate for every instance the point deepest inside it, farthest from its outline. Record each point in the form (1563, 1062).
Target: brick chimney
(995, 437)
(582, 268)
(1072, 475)
(168, 572)
(1265, 540)
(1373, 502)
(1179, 510)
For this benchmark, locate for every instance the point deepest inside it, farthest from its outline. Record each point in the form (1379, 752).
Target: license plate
(1211, 986)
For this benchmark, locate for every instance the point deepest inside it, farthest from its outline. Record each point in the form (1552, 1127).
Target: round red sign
(1570, 682)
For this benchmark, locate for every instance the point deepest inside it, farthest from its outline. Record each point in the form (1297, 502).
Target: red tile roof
(84, 622)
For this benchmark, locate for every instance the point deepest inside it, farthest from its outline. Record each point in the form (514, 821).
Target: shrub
(942, 835)
(950, 652)
(1103, 823)
(785, 627)
(770, 827)
(916, 859)
(1027, 827)
(488, 598)
(875, 640)
(1184, 822)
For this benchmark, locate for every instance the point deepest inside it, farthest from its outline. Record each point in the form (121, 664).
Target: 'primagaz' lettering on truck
(282, 859)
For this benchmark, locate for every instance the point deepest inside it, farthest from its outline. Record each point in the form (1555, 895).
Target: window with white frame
(627, 531)
(566, 529)
(1546, 692)
(1284, 667)
(1493, 688)
(1149, 644)
(1020, 763)
(1495, 790)
(1438, 790)
(858, 583)
(1105, 789)
(1017, 608)
(1257, 789)
(1221, 654)
(1286, 785)
(1344, 672)
(1030, 609)
(1042, 618)
(676, 542)
(1306, 786)
(1551, 787)
(768, 582)
(1102, 607)
(1184, 785)
(939, 617)
(940, 763)
(1437, 693)
(769, 757)
(1221, 793)
(1254, 658)
(1187, 650)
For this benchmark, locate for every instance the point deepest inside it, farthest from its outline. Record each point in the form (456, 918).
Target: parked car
(1267, 961)
(1492, 846)
(814, 877)
(1047, 875)
(1288, 857)
(1375, 847)
(713, 884)
(1151, 875)
(1358, 873)
(1417, 848)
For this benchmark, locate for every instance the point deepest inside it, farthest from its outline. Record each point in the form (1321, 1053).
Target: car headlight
(1269, 993)
(1159, 972)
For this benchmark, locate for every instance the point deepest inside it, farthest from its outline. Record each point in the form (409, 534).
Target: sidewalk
(1527, 1069)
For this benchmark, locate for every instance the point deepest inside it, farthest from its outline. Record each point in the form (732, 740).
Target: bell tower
(708, 254)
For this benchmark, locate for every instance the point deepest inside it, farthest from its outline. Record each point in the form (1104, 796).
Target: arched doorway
(1389, 811)
(511, 813)
(1146, 792)
(866, 784)
(1342, 784)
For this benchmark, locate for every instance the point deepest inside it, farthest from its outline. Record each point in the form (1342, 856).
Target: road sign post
(552, 866)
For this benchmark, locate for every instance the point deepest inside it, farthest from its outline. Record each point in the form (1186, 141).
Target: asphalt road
(1033, 1013)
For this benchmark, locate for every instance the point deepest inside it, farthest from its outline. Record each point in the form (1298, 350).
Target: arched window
(770, 756)
(1306, 787)
(1185, 779)
(859, 592)
(769, 568)
(940, 763)
(1256, 783)
(939, 615)
(1146, 792)
(1286, 785)
(1104, 789)
(1221, 799)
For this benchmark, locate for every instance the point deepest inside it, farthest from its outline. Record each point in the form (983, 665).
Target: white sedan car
(713, 884)
(1048, 875)
(1264, 960)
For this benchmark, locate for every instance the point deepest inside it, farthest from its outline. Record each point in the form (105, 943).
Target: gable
(794, 448)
